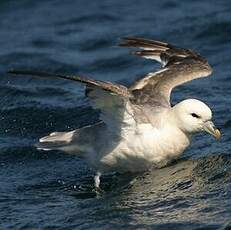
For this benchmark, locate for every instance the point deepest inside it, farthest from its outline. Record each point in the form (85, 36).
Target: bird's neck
(173, 119)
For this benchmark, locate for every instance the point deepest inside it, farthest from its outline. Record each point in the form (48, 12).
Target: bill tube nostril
(210, 128)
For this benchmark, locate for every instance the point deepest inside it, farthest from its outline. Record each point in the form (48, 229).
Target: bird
(139, 128)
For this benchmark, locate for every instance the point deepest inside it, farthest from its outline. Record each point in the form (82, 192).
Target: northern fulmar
(139, 129)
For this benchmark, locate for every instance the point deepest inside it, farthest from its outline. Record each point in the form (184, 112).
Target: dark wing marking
(180, 66)
(107, 86)
(156, 50)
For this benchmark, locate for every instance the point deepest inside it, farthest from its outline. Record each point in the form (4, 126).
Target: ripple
(216, 31)
(95, 43)
(35, 61)
(96, 18)
(49, 119)
(108, 64)
(228, 124)
(43, 43)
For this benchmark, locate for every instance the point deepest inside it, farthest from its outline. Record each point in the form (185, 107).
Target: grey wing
(103, 85)
(178, 66)
(112, 99)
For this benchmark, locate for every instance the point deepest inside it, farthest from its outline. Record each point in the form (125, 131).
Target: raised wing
(178, 66)
(111, 98)
(103, 85)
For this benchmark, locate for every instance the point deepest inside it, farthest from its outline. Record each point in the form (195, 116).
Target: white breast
(145, 147)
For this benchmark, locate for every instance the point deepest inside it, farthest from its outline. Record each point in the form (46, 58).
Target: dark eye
(195, 115)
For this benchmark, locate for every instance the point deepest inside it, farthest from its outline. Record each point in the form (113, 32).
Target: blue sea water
(52, 190)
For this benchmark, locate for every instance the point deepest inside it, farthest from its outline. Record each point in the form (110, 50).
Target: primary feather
(180, 66)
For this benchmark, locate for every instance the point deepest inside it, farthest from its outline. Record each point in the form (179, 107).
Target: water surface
(51, 190)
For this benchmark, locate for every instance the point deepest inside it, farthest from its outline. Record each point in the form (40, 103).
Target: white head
(194, 116)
